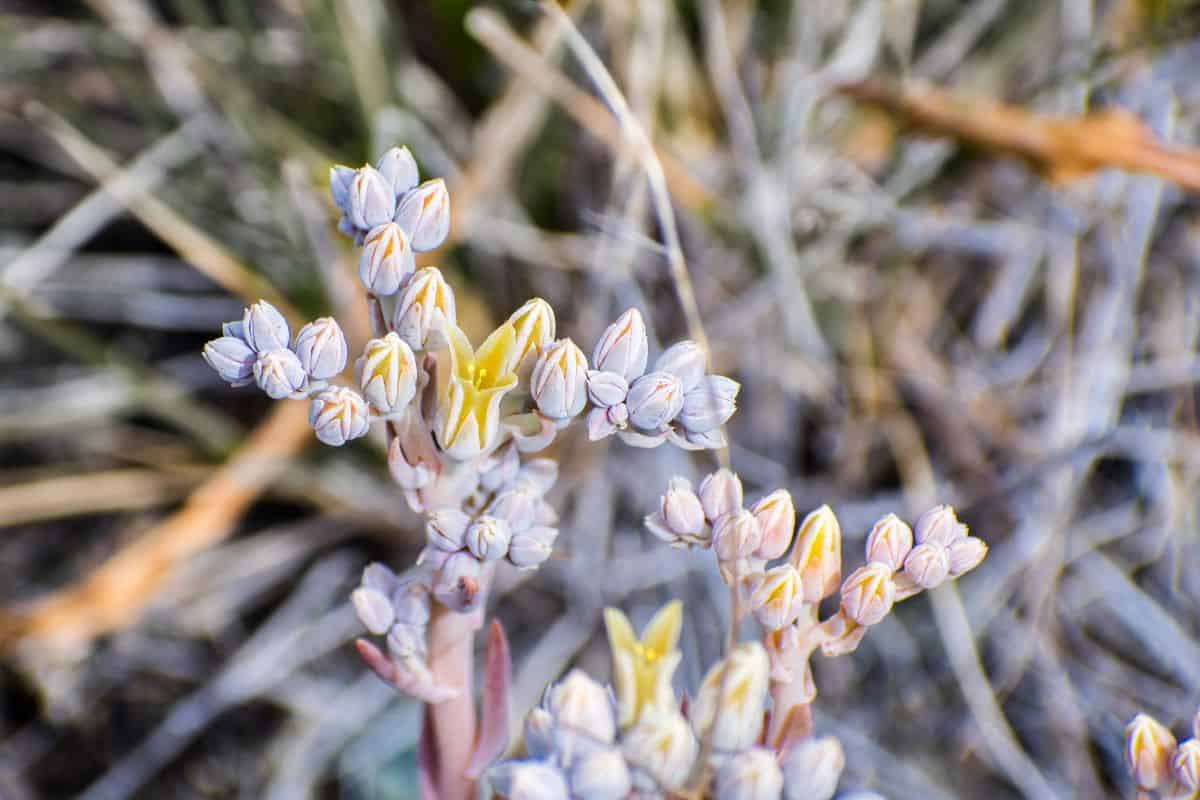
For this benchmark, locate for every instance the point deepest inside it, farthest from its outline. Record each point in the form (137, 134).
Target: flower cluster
(1157, 763)
(587, 742)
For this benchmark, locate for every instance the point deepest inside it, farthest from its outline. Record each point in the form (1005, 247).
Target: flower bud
(1149, 748)
(457, 584)
(488, 537)
(340, 178)
(388, 374)
(399, 169)
(720, 494)
(606, 388)
(729, 707)
(534, 326)
(680, 517)
(583, 705)
(425, 307)
(232, 358)
(623, 348)
(685, 360)
(406, 641)
(1186, 764)
(411, 603)
(868, 594)
(817, 554)
(600, 423)
(752, 774)
(279, 374)
(662, 746)
(928, 565)
(370, 200)
(321, 348)
(446, 529)
(777, 597)
(654, 400)
(939, 525)
(559, 380)
(889, 542)
(602, 775)
(736, 536)
(531, 547)
(539, 733)
(811, 769)
(377, 576)
(709, 404)
(424, 214)
(516, 505)
(386, 259)
(528, 780)
(374, 609)
(264, 328)
(776, 515)
(966, 554)
(338, 415)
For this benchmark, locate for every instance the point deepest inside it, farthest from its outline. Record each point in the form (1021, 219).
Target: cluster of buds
(587, 742)
(1160, 766)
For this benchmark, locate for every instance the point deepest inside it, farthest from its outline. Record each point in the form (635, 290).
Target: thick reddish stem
(452, 723)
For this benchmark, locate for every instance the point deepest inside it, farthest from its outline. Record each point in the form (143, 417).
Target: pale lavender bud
(340, 178)
(581, 704)
(776, 515)
(321, 348)
(777, 597)
(234, 328)
(889, 542)
(386, 259)
(720, 494)
(684, 359)
(539, 733)
(515, 505)
(966, 554)
(602, 775)
(736, 536)
(388, 374)
(446, 529)
(488, 538)
(928, 565)
(623, 348)
(654, 400)
(939, 525)
(680, 515)
(662, 745)
(370, 200)
(606, 388)
(378, 577)
(1149, 748)
(599, 424)
(752, 774)
(811, 769)
(279, 373)
(868, 594)
(528, 780)
(411, 603)
(559, 380)
(232, 358)
(338, 415)
(710, 404)
(374, 609)
(424, 213)
(399, 169)
(457, 584)
(531, 547)
(534, 326)
(264, 328)
(1186, 764)
(406, 641)
(425, 308)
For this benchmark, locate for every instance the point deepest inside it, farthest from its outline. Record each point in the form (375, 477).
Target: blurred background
(949, 247)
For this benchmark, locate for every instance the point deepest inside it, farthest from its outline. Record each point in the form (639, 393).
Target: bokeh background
(918, 314)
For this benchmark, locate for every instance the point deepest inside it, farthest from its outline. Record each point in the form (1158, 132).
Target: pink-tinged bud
(720, 494)
(388, 374)
(399, 169)
(599, 424)
(662, 745)
(488, 538)
(424, 214)
(817, 554)
(736, 536)
(386, 259)
(928, 565)
(582, 704)
(279, 373)
(811, 769)
(370, 200)
(528, 780)
(1149, 748)
(606, 388)
(338, 415)
(446, 529)
(939, 525)
(776, 515)
(729, 705)
(457, 584)
(752, 774)
(602, 775)
(868, 594)
(889, 542)
(321, 348)
(559, 380)
(966, 554)
(374, 609)
(681, 509)
(534, 325)
(654, 400)
(425, 308)
(532, 547)
(264, 328)
(1186, 764)
(232, 358)
(685, 360)
(623, 348)
(777, 597)
(412, 466)
(709, 404)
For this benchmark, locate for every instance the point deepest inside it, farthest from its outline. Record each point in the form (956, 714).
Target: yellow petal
(620, 632)
(662, 634)
(493, 356)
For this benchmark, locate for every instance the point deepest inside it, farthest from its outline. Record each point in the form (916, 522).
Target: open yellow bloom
(469, 408)
(642, 668)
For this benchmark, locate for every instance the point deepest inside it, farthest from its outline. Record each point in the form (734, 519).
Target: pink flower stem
(451, 659)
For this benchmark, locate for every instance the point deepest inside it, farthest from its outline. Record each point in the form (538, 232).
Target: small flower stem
(451, 659)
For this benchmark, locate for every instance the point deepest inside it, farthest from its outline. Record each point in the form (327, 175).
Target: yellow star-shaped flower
(469, 407)
(642, 668)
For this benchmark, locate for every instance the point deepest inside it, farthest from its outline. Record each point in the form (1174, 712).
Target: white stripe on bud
(279, 373)
(889, 542)
(868, 594)
(559, 380)
(232, 358)
(399, 169)
(488, 538)
(321, 348)
(685, 360)
(654, 400)
(446, 529)
(388, 374)
(264, 328)
(424, 214)
(623, 348)
(720, 494)
(338, 415)
(386, 259)
(939, 525)
(710, 404)
(1149, 748)
(425, 309)
(370, 201)
(928, 565)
